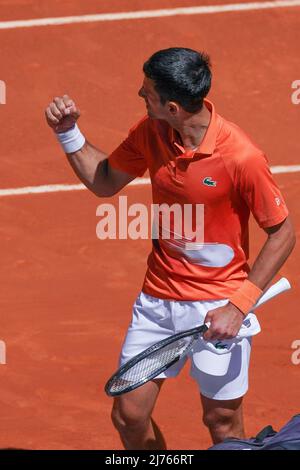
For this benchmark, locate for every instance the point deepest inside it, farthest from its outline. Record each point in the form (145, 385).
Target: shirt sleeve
(260, 192)
(129, 155)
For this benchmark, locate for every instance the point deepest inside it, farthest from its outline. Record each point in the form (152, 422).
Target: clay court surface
(65, 295)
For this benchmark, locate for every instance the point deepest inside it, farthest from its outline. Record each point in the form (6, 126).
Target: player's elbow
(103, 191)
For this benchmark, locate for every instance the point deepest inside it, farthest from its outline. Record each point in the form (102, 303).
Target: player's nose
(141, 92)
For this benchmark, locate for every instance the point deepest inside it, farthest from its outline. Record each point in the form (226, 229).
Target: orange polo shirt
(230, 177)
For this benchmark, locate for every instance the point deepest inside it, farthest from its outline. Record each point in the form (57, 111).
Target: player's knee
(219, 419)
(127, 417)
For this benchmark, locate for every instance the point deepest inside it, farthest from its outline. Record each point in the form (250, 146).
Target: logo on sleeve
(208, 181)
(277, 200)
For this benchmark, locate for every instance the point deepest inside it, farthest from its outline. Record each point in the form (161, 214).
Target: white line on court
(135, 15)
(285, 169)
(55, 188)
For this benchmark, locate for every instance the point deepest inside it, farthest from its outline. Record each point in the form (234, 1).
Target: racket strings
(150, 364)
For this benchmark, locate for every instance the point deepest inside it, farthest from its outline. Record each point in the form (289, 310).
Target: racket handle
(280, 286)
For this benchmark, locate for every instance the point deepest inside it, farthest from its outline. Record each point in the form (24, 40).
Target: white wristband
(71, 140)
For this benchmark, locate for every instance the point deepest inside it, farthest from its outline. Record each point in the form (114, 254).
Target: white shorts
(219, 376)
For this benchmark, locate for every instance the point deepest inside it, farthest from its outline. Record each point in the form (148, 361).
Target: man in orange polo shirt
(194, 156)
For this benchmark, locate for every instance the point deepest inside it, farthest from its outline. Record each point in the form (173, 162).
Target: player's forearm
(88, 164)
(273, 254)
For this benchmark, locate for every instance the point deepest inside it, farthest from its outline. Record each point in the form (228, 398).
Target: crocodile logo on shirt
(220, 345)
(208, 181)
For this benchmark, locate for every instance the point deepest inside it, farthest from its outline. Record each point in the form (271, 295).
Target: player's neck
(193, 127)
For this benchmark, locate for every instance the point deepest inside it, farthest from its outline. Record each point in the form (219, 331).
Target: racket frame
(195, 332)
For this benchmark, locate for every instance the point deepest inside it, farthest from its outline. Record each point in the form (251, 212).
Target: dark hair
(181, 75)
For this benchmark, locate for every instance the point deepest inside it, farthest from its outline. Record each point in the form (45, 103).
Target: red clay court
(65, 295)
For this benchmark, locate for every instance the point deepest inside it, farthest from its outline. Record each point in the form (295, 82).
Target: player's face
(155, 108)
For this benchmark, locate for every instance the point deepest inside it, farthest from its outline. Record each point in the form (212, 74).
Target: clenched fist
(62, 114)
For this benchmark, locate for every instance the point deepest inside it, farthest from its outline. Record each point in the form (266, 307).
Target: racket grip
(280, 286)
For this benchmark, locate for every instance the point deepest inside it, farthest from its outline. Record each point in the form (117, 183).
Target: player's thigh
(136, 406)
(216, 412)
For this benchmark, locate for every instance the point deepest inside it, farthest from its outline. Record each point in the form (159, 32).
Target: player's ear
(173, 108)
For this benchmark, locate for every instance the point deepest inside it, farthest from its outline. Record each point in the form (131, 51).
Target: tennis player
(193, 156)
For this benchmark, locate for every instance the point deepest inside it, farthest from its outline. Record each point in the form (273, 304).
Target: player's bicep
(118, 179)
(284, 232)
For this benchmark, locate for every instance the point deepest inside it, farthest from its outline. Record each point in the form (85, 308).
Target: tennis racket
(162, 355)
